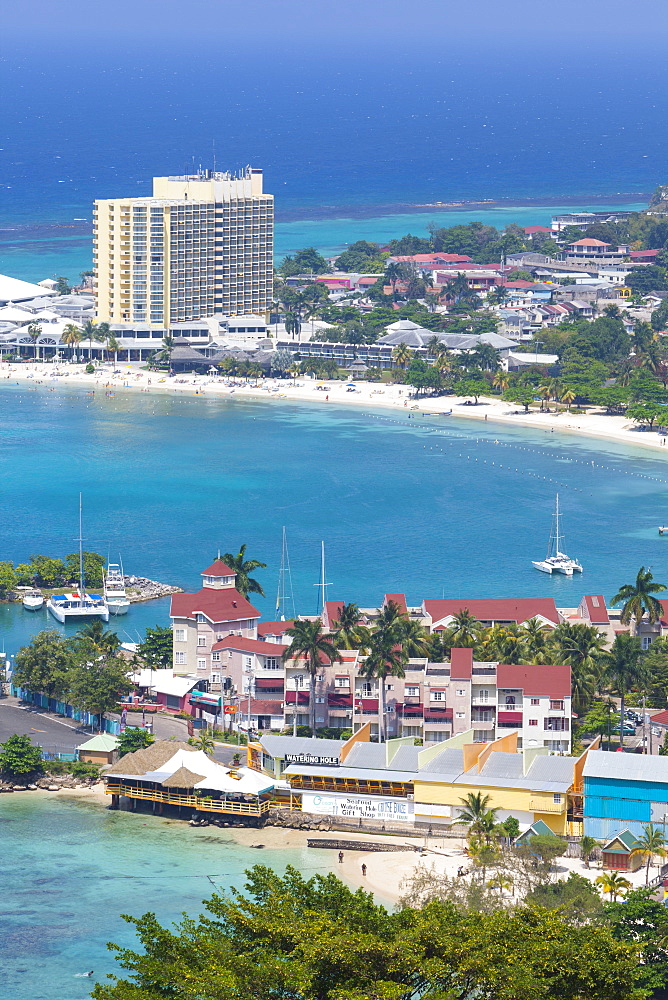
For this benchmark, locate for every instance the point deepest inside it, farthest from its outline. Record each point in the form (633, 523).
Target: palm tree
(623, 670)
(501, 380)
(203, 741)
(96, 632)
(393, 273)
(34, 332)
(538, 641)
(486, 356)
(435, 346)
(71, 336)
(114, 346)
(568, 397)
(89, 333)
(243, 568)
(639, 600)
(293, 322)
(414, 638)
(464, 630)
(652, 843)
(167, 348)
(587, 847)
(498, 294)
(102, 334)
(503, 883)
(402, 354)
(614, 884)
(385, 658)
(505, 643)
(545, 393)
(582, 647)
(311, 644)
(347, 632)
(476, 813)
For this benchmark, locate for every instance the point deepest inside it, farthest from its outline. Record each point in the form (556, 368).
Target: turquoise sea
(427, 506)
(36, 250)
(71, 867)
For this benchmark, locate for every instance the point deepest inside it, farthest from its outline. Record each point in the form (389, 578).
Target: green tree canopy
(315, 939)
(243, 567)
(19, 758)
(157, 648)
(133, 738)
(43, 665)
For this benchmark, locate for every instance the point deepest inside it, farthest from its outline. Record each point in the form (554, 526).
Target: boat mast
(282, 597)
(81, 568)
(556, 528)
(322, 585)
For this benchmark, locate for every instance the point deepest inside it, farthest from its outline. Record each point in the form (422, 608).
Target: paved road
(43, 729)
(57, 735)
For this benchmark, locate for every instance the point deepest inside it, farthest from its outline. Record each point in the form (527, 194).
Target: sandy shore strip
(386, 872)
(129, 377)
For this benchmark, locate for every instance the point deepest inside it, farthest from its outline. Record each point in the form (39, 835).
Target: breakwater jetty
(140, 588)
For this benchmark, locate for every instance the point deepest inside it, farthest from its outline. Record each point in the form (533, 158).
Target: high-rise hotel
(202, 245)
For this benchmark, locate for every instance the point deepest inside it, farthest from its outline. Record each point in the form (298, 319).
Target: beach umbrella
(350, 385)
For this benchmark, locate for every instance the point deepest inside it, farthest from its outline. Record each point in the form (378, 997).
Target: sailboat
(79, 604)
(114, 589)
(285, 598)
(557, 561)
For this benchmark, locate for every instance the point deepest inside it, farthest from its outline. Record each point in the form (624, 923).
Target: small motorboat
(33, 600)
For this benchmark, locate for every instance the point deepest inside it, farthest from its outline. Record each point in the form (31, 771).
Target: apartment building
(201, 620)
(201, 245)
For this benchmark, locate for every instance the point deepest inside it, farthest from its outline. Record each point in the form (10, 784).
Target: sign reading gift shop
(358, 807)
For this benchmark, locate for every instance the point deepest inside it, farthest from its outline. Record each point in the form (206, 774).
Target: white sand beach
(129, 377)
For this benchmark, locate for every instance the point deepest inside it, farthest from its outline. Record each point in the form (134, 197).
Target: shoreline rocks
(140, 588)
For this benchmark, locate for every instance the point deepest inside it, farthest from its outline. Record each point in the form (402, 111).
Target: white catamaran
(114, 590)
(557, 561)
(79, 604)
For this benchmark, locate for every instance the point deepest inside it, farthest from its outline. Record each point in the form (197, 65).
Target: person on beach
(340, 857)
(364, 871)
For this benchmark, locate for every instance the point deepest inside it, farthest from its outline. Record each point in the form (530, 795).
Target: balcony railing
(199, 802)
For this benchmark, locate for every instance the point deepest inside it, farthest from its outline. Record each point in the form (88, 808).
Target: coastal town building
(403, 786)
(201, 620)
(201, 245)
(624, 792)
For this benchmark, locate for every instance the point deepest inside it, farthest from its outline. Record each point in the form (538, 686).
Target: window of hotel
(215, 657)
(533, 722)
(367, 688)
(557, 706)
(201, 619)
(179, 658)
(320, 701)
(201, 640)
(459, 715)
(248, 662)
(341, 682)
(556, 798)
(180, 634)
(438, 695)
(412, 692)
(460, 692)
(535, 701)
(201, 664)
(215, 678)
(483, 696)
(271, 663)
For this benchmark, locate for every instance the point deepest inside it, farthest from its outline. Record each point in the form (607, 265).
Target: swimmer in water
(83, 975)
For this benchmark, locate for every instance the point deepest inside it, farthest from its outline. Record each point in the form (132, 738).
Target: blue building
(624, 791)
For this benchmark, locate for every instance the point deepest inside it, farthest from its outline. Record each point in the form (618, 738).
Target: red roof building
(535, 680)
(493, 611)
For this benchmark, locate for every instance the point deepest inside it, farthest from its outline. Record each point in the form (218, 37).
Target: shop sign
(358, 807)
(309, 758)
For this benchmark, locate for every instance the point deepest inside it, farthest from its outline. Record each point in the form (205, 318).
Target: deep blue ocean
(354, 142)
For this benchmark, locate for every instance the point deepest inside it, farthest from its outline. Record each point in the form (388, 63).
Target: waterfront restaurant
(176, 774)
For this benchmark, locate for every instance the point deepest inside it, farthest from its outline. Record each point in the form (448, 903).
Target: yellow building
(203, 244)
(400, 784)
(530, 785)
